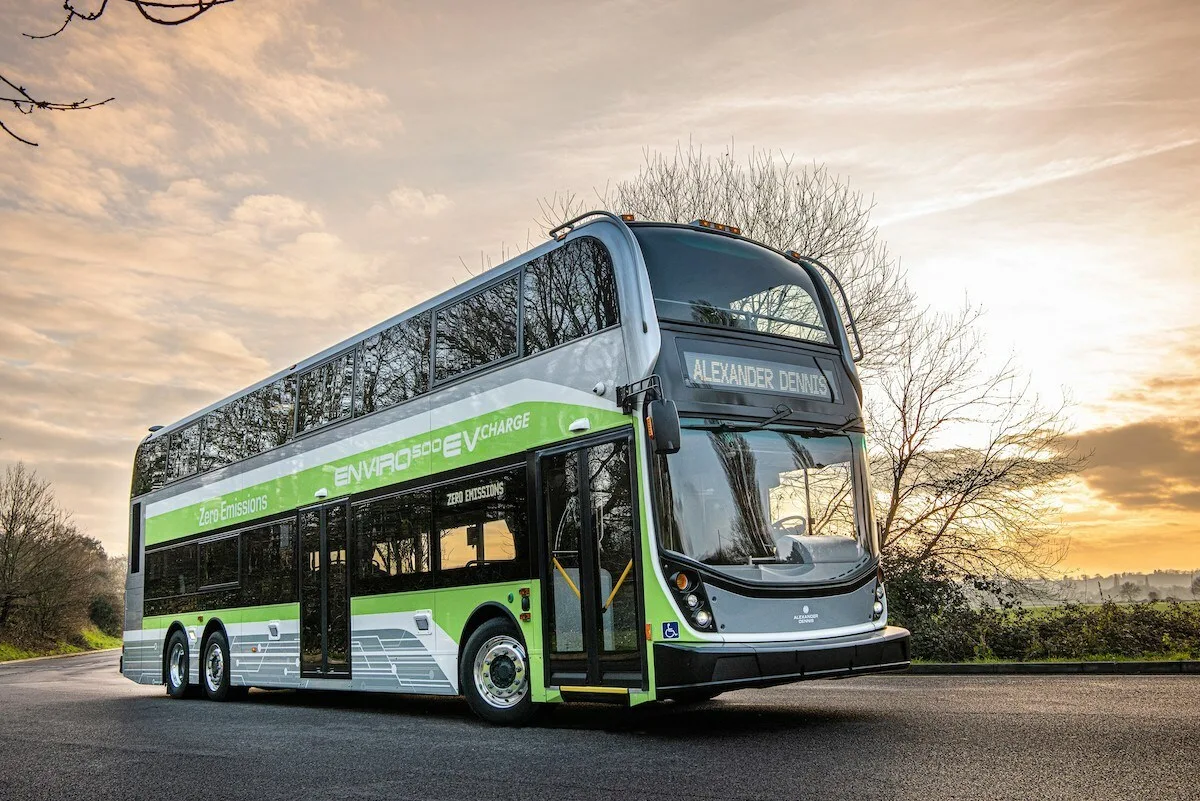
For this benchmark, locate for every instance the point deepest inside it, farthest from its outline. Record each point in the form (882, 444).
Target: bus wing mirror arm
(627, 394)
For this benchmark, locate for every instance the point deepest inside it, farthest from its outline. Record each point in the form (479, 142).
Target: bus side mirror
(662, 426)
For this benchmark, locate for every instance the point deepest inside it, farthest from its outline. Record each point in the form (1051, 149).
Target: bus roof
(459, 290)
(568, 229)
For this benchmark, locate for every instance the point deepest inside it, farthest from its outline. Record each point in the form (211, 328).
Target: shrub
(946, 628)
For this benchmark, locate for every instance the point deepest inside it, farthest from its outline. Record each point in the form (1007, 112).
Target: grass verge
(1181, 656)
(89, 639)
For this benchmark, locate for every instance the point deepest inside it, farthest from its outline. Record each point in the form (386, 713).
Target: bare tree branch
(191, 9)
(151, 10)
(969, 460)
(25, 103)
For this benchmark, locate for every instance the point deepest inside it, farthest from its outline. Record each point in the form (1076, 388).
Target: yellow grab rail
(616, 589)
(570, 583)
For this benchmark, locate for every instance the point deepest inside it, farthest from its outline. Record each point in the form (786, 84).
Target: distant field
(1159, 605)
(90, 639)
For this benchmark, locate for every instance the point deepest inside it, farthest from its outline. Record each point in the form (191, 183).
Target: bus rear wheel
(494, 674)
(214, 669)
(176, 665)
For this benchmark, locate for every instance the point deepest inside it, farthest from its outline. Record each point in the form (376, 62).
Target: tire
(214, 669)
(494, 674)
(175, 665)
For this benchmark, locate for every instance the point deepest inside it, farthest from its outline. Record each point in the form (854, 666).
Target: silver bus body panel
(387, 655)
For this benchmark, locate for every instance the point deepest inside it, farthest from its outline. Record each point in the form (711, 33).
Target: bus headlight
(877, 610)
(690, 596)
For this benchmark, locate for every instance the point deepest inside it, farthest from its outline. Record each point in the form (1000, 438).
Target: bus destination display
(756, 375)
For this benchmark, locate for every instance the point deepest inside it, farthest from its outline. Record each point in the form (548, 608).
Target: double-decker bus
(628, 465)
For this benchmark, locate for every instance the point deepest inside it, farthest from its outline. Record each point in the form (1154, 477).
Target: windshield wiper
(831, 432)
(781, 411)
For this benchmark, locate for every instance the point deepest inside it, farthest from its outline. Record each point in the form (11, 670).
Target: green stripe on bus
(506, 431)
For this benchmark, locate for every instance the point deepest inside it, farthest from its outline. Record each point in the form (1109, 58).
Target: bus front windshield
(714, 280)
(766, 506)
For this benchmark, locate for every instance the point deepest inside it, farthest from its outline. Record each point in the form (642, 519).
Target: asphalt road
(73, 728)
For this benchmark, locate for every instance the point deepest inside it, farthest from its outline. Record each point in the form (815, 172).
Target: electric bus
(626, 466)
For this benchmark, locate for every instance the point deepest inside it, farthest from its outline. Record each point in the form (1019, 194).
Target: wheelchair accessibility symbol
(671, 630)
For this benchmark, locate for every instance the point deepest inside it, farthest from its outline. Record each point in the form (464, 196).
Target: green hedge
(946, 628)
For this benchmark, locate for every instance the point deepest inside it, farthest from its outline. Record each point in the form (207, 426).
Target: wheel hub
(504, 672)
(178, 665)
(501, 672)
(215, 664)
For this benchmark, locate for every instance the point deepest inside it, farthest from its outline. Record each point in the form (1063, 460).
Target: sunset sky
(274, 177)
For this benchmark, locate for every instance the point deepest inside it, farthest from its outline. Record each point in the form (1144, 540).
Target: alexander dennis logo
(804, 617)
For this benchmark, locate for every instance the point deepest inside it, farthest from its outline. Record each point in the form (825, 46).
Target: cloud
(1148, 464)
(275, 216)
(188, 204)
(406, 201)
(1041, 175)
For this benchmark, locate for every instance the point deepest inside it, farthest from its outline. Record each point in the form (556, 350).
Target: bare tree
(966, 458)
(159, 12)
(1129, 591)
(49, 571)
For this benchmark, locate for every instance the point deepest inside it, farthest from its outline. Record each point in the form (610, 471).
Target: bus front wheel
(494, 674)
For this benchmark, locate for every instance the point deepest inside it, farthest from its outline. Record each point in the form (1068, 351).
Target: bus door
(592, 598)
(324, 594)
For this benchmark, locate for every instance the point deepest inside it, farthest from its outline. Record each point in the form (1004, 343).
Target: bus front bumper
(729, 666)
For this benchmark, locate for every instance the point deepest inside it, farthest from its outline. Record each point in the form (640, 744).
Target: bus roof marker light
(627, 218)
(716, 226)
